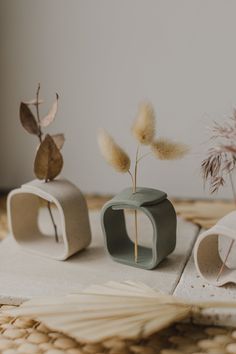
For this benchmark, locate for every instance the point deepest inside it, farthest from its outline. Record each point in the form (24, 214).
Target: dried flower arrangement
(48, 161)
(220, 163)
(144, 131)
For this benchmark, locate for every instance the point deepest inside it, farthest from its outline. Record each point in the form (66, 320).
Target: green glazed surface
(158, 208)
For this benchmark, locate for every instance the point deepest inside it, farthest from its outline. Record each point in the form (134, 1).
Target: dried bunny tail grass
(165, 149)
(113, 153)
(144, 125)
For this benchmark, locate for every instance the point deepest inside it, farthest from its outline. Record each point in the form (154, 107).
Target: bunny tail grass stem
(135, 222)
(40, 140)
(136, 168)
(232, 242)
(143, 156)
(135, 211)
(136, 236)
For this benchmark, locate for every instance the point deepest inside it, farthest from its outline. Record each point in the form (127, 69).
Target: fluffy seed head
(113, 153)
(165, 149)
(144, 125)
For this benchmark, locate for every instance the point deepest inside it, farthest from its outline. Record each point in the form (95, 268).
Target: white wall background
(103, 58)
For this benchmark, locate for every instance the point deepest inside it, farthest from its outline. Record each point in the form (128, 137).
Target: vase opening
(120, 225)
(39, 235)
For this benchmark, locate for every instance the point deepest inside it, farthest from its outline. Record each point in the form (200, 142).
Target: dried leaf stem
(53, 221)
(40, 140)
(135, 211)
(37, 112)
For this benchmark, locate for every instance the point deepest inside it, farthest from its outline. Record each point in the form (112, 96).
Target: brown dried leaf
(33, 102)
(59, 140)
(48, 161)
(28, 120)
(49, 118)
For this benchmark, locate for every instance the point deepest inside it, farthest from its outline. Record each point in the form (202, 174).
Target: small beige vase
(207, 251)
(23, 208)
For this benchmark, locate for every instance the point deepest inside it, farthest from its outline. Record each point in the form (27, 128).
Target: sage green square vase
(160, 211)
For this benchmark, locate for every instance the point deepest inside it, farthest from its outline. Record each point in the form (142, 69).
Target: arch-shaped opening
(227, 245)
(119, 233)
(36, 232)
(210, 254)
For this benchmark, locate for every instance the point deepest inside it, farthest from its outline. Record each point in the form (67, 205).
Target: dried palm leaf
(125, 310)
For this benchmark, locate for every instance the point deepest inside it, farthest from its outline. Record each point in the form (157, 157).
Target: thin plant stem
(136, 168)
(136, 236)
(53, 221)
(232, 241)
(232, 186)
(222, 268)
(143, 156)
(40, 140)
(37, 112)
(135, 211)
(132, 178)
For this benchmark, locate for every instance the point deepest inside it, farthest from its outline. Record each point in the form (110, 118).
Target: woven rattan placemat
(27, 336)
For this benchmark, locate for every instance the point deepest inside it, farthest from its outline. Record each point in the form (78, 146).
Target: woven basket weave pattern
(25, 336)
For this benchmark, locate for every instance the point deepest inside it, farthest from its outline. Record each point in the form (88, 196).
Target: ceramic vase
(161, 213)
(208, 254)
(23, 206)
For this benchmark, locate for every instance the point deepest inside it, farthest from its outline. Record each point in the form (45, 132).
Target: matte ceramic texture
(24, 275)
(23, 206)
(206, 251)
(159, 210)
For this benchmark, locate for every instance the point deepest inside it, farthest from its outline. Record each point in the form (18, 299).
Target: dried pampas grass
(123, 310)
(220, 164)
(113, 153)
(165, 149)
(144, 125)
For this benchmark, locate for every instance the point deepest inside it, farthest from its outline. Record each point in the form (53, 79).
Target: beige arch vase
(23, 205)
(207, 256)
